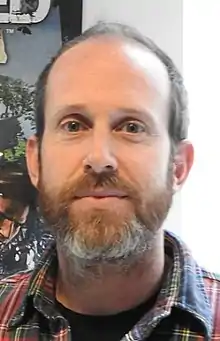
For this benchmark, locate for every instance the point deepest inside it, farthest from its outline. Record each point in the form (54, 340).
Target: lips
(100, 194)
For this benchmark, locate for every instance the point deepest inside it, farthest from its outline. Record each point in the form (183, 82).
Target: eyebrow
(134, 111)
(122, 111)
(71, 109)
(141, 114)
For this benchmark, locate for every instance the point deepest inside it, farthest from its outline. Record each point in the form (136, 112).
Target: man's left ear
(182, 163)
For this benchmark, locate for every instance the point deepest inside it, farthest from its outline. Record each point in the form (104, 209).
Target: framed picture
(31, 32)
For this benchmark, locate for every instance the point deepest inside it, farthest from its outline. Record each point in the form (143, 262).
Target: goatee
(95, 237)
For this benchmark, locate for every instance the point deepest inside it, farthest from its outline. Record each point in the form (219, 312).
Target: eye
(133, 127)
(73, 126)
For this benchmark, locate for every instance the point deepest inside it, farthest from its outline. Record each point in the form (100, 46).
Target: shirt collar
(184, 288)
(40, 294)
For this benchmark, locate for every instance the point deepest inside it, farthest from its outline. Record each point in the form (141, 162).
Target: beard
(90, 238)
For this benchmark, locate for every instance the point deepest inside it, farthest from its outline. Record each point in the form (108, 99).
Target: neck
(113, 291)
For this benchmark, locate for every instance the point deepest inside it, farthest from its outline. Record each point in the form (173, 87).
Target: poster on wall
(31, 32)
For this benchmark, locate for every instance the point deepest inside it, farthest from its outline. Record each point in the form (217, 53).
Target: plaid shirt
(187, 308)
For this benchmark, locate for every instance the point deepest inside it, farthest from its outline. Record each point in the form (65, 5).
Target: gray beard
(87, 262)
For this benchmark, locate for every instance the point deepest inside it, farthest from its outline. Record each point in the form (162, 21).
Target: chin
(104, 237)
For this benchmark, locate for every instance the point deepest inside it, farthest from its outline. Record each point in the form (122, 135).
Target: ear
(32, 158)
(183, 161)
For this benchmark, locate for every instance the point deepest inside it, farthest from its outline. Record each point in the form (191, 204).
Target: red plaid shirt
(187, 308)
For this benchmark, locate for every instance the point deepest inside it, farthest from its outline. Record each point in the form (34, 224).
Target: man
(23, 237)
(110, 151)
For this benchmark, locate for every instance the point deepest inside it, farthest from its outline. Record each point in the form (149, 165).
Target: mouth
(101, 194)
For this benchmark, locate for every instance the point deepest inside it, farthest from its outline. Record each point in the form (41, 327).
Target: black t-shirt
(108, 328)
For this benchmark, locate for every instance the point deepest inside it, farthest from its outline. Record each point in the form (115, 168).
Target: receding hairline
(104, 38)
(179, 116)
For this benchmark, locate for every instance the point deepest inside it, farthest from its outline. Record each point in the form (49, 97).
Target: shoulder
(13, 291)
(211, 283)
(211, 280)
(212, 288)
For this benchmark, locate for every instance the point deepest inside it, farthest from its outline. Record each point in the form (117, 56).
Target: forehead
(108, 71)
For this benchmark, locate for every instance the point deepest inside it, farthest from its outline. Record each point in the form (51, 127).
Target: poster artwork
(23, 11)
(31, 32)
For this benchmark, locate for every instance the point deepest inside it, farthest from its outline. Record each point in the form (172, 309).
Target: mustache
(92, 182)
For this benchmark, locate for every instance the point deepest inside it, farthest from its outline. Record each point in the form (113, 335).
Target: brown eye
(73, 126)
(133, 128)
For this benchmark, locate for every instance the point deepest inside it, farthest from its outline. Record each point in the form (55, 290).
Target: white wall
(201, 55)
(161, 20)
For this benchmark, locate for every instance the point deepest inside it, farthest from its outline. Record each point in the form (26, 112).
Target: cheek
(160, 167)
(58, 165)
(148, 167)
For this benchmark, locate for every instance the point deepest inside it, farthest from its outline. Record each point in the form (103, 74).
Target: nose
(100, 158)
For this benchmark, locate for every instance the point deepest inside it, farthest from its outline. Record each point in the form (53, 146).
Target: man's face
(5, 204)
(105, 171)
(13, 209)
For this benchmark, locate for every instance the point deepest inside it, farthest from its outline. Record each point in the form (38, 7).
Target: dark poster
(31, 32)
